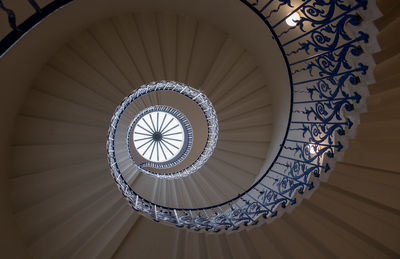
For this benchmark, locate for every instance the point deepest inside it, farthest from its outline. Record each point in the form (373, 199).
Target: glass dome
(158, 136)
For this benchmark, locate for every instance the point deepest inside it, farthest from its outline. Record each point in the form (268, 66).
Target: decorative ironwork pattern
(322, 54)
(18, 30)
(325, 54)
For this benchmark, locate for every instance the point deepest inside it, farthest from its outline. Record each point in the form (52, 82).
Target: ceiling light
(314, 148)
(293, 19)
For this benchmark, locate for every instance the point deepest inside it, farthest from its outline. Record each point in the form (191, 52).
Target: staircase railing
(17, 31)
(328, 58)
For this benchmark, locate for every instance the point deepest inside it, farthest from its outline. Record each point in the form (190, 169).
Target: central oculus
(160, 134)
(159, 139)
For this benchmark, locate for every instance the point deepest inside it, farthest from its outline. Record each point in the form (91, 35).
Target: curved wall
(364, 184)
(36, 47)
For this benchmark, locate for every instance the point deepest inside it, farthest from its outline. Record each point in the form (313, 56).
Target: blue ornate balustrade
(329, 66)
(328, 58)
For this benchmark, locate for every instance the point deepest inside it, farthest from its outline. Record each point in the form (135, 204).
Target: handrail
(19, 30)
(321, 55)
(328, 87)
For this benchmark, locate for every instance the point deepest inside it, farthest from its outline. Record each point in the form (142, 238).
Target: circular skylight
(158, 136)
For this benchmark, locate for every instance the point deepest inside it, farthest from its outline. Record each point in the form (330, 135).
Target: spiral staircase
(58, 198)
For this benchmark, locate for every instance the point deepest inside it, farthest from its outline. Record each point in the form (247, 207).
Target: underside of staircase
(69, 206)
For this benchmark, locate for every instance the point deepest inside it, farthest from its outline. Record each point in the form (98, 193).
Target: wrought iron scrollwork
(325, 75)
(321, 53)
(18, 30)
(12, 20)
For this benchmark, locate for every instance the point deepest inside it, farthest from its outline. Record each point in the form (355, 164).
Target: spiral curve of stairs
(69, 208)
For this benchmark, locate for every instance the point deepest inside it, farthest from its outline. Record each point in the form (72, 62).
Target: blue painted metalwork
(18, 30)
(324, 74)
(326, 79)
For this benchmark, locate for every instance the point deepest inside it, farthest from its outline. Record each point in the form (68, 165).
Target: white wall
(20, 65)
